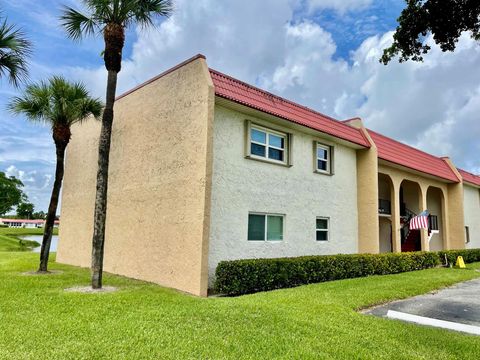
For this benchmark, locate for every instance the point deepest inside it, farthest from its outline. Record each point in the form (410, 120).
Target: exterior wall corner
(367, 197)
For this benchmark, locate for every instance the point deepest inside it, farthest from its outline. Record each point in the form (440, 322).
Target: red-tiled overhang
(245, 94)
(398, 153)
(469, 177)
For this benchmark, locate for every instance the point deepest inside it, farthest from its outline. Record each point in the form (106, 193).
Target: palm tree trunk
(52, 209)
(98, 240)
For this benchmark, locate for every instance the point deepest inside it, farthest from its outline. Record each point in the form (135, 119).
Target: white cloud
(242, 38)
(36, 178)
(432, 105)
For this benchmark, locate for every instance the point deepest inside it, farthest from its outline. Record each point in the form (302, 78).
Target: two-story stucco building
(205, 168)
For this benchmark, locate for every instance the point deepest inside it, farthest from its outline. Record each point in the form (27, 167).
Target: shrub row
(469, 255)
(239, 277)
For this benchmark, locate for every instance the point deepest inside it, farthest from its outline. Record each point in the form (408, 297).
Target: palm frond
(77, 24)
(121, 12)
(89, 107)
(14, 67)
(57, 102)
(144, 12)
(34, 104)
(14, 50)
(13, 39)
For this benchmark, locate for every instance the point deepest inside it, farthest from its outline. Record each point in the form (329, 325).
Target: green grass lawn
(10, 241)
(38, 320)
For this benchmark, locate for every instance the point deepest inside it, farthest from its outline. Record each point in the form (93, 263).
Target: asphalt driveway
(459, 303)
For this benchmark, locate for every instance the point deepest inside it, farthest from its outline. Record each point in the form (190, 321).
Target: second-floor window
(268, 144)
(323, 162)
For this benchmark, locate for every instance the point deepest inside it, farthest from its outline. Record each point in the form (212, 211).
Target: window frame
(329, 150)
(265, 235)
(327, 230)
(287, 141)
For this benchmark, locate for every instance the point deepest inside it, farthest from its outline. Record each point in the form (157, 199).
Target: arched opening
(385, 194)
(435, 206)
(410, 200)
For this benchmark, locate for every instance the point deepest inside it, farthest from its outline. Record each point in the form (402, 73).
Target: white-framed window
(467, 234)
(323, 158)
(268, 144)
(323, 224)
(265, 227)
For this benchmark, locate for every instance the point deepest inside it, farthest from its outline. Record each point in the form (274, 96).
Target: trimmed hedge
(469, 255)
(239, 277)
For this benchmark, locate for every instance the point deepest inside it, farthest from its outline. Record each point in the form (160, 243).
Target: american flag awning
(420, 221)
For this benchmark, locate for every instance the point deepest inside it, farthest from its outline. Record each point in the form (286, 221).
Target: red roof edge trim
(469, 177)
(366, 144)
(405, 155)
(406, 145)
(166, 72)
(363, 142)
(273, 95)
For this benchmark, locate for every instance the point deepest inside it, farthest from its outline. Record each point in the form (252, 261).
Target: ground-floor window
(322, 228)
(467, 235)
(263, 227)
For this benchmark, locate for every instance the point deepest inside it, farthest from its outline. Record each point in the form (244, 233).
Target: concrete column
(455, 236)
(445, 217)
(367, 194)
(422, 205)
(395, 196)
(456, 221)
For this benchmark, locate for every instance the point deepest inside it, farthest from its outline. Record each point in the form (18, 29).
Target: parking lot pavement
(459, 303)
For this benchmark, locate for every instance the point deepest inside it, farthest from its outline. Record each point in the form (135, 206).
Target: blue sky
(321, 53)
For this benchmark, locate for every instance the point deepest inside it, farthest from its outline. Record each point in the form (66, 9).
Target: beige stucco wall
(435, 206)
(242, 185)
(385, 235)
(367, 194)
(159, 183)
(472, 214)
(456, 219)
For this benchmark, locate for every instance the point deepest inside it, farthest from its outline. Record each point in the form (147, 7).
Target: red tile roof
(469, 177)
(388, 149)
(401, 154)
(26, 221)
(245, 94)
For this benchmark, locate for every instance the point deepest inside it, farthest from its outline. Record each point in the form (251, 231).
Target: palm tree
(110, 18)
(60, 104)
(14, 49)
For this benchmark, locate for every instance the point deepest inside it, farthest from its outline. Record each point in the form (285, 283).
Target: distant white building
(26, 224)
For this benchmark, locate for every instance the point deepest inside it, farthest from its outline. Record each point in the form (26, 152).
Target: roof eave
(364, 144)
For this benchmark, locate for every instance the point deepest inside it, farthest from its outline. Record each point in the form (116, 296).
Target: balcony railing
(433, 222)
(384, 207)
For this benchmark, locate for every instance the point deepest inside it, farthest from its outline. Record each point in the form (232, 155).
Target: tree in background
(14, 49)
(11, 193)
(25, 210)
(60, 104)
(446, 20)
(39, 215)
(109, 18)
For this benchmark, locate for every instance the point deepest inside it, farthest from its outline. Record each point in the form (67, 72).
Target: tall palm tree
(14, 49)
(109, 18)
(60, 104)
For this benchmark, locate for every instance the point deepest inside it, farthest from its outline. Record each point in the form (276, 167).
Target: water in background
(38, 238)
